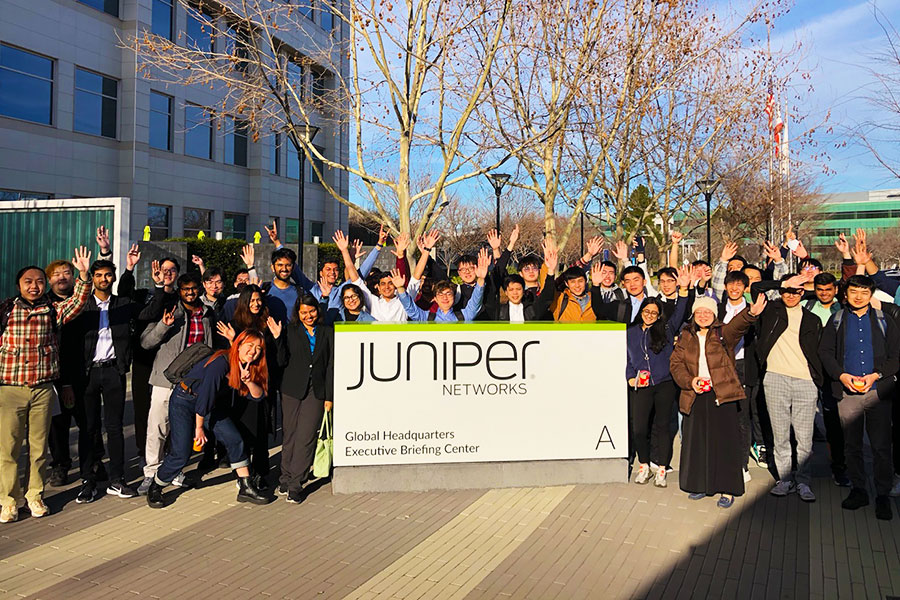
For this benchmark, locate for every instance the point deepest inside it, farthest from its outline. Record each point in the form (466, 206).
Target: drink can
(643, 378)
(858, 384)
(197, 446)
(706, 384)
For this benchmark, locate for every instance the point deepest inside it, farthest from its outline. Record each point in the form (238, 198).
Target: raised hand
(430, 239)
(274, 327)
(800, 251)
(729, 251)
(341, 241)
(494, 240)
(103, 239)
(401, 243)
(843, 246)
(273, 233)
(676, 236)
(245, 372)
(156, 272)
(797, 281)
(324, 287)
(484, 263)
(759, 305)
(789, 234)
(551, 254)
(248, 255)
(397, 279)
(594, 245)
(596, 277)
(860, 255)
(620, 251)
(513, 238)
(82, 261)
(382, 235)
(226, 331)
(684, 277)
(772, 251)
(168, 317)
(133, 257)
(198, 261)
(356, 249)
(254, 281)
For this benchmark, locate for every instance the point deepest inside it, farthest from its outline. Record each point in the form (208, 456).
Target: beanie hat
(705, 302)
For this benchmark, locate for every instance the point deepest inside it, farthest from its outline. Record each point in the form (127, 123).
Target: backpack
(456, 311)
(185, 361)
(879, 315)
(6, 309)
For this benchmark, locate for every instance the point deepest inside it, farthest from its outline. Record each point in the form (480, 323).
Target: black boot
(247, 492)
(155, 495)
(260, 483)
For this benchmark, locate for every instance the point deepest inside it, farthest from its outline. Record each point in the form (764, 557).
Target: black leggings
(651, 410)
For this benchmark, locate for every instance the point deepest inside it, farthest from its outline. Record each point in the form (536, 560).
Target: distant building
(844, 213)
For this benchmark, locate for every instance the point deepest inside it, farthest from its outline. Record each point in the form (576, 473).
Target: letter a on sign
(608, 440)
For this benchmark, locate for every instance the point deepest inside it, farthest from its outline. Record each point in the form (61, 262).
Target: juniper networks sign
(431, 393)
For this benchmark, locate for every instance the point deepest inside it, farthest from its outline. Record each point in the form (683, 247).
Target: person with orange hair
(202, 400)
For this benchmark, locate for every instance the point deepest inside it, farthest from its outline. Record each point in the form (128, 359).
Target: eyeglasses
(465, 268)
(530, 268)
(351, 296)
(445, 293)
(650, 313)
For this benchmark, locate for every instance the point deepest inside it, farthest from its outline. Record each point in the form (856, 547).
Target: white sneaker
(643, 475)
(895, 491)
(747, 477)
(9, 514)
(660, 480)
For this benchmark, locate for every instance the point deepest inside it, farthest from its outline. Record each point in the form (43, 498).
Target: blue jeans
(182, 422)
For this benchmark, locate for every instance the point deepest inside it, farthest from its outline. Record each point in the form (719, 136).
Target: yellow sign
(146, 233)
(257, 238)
(200, 235)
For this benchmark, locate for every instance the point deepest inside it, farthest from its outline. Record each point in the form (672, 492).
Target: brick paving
(599, 541)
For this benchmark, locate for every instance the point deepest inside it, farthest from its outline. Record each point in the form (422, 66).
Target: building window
(199, 31)
(236, 142)
(293, 161)
(197, 220)
(313, 177)
(294, 74)
(306, 9)
(326, 20)
(237, 46)
(290, 230)
(275, 155)
(234, 226)
(319, 85)
(11, 195)
(26, 85)
(163, 19)
(158, 220)
(198, 132)
(110, 7)
(317, 230)
(95, 103)
(160, 121)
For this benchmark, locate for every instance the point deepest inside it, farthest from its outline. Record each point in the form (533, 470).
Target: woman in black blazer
(307, 353)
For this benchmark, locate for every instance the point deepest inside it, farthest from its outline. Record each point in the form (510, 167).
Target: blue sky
(839, 38)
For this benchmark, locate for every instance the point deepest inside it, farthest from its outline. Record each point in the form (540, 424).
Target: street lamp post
(310, 132)
(498, 180)
(707, 187)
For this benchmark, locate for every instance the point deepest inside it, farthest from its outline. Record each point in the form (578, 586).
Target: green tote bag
(324, 448)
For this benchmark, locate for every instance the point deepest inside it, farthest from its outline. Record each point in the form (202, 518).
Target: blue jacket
(637, 340)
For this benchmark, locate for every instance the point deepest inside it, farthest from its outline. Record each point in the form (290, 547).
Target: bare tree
(384, 83)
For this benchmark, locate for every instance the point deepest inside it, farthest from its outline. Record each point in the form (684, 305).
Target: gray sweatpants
(157, 429)
(791, 402)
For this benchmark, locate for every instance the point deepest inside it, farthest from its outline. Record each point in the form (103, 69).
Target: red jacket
(29, 347)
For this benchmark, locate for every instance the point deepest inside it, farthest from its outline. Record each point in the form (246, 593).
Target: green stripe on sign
(483, 326)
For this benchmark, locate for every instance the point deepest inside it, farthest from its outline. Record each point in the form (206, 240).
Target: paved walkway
(603, 541)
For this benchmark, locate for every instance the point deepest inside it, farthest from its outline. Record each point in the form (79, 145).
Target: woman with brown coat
(703, 366)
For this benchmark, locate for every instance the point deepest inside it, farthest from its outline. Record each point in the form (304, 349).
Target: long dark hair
(657, 331)
(243, 317)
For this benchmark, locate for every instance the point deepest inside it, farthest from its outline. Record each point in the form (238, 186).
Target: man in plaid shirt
(29, 362)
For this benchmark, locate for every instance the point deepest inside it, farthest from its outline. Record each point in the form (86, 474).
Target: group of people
(737, 357)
